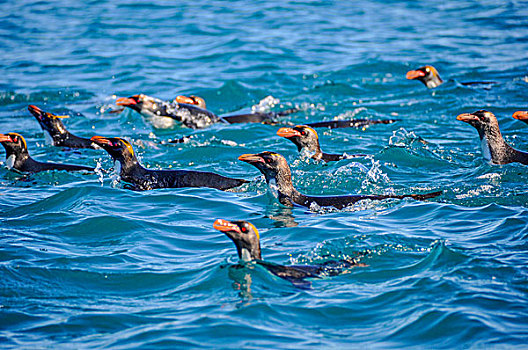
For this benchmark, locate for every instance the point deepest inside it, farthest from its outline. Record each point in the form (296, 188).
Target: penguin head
(428, 75)
(269, 163)
(134, 102)
(49, 122)
(120, 149)
(485, 122)
(13, 143)
(144, 104)
(521, 115)
(245, 236)
(191, 100)
(304, 137)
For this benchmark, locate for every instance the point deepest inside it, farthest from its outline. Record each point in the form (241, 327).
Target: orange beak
(466, 117)
(100, 140)
(34, 108)
(251, 158)
(225, 226)
(5, 138)
(414, 74)
(288, 132)
(521, 115)
(125, 101)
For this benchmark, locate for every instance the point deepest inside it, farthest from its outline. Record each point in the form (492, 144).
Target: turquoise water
(88, 264)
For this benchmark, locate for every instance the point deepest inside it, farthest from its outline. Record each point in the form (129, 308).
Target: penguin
(351, 123)
(278, 176)
(307, 142)
(246, 238)
(18, 158)
(255, 117)
(494, 148)
(333, 124)
(164, 114)
(429, 76)
(140, 179)
(191, 113)
(61, 137)
(521, 115)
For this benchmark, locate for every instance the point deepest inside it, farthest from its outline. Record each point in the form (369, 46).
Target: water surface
(86, 263)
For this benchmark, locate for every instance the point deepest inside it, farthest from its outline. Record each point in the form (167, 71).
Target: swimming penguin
(351, 123)
(521, 115)
(332, 124)
(61, 137)
(255, 117)
(163, 114)
(278, 176)
(18, 158)
(429, 76)
(307, 142)
(141, 179)
(494, 148)
(247, 241)
(190, 113)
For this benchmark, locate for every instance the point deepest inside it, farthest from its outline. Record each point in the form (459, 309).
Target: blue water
(88, 264)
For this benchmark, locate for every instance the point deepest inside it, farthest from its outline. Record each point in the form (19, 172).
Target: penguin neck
(55, 129)
(128, 163)
(434, 82)
(16, 158)
(493, 146)
(281, 182)
(313, 150)
(59, 128)
(247, 254)
(60, 137)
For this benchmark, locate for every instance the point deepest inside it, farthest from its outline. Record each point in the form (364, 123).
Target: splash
(375, 174)
(99, 171)
(344, 249)
(405, 139)
(349, 114)
(115, 176)
(265, 105)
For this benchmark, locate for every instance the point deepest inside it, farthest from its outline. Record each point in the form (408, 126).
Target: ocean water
(86, 263)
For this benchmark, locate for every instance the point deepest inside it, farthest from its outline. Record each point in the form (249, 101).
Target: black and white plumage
(246, 238)
(278, 175)
(307, 141)
(140, 178)
(60, 137)
(18, 158)
(429, 76)
(494, 147)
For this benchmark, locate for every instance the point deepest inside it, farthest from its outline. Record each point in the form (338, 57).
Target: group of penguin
(190, 111)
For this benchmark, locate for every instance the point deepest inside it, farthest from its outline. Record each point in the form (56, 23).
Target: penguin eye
(303, 133)
(268, 160)
(244, 229)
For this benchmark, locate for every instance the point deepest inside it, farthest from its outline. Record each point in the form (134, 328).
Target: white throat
(246, 256)
(117, 167)
(485, 148)
(10, 161)
(274, 189)
(48, 138)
